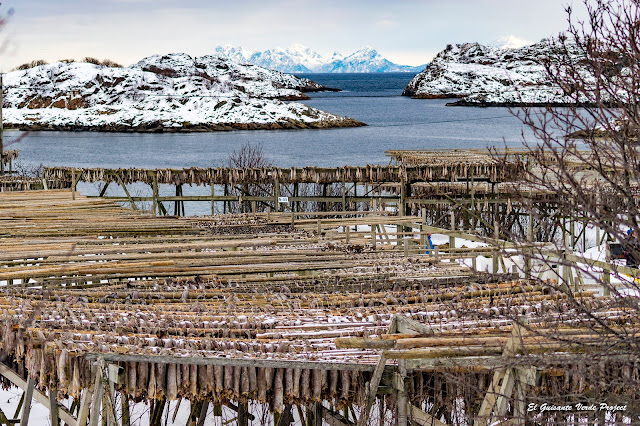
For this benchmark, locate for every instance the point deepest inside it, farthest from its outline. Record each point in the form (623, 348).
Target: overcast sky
(405, 31)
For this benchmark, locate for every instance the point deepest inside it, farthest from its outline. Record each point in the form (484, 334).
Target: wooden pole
(53, 406)
(606, 272)
(104, 189)
(566, 269)
(83, 411)
(423, 231)
(126, 191)
(243, 409)
(402, 394)
(176, 204)
(313, 414)
(213, 204)
(324, 194)
(369, 205)
(472, 220)
(195, 409)
(373, 236)
(157, 414)
(73, 184)
(496, 236)
(401, 210)
(496, 232)
(26, 406)
(156, 202)
(96, 402)
(124, 408)
(225, 203)
(372, 390)
(344, 196)
(452, 222)
(203, 413)
(276, 193)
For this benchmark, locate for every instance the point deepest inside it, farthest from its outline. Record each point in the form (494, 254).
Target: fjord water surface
(394, 122)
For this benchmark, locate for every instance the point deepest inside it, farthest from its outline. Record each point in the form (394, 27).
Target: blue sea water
(394, 122)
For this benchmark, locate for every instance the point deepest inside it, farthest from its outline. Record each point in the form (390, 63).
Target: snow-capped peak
(367, 49)
(512, 42)
(366, 52)
(235, 53)
(299, 58)
(366, 59)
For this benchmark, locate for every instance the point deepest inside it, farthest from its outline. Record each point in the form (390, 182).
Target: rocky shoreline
(463, 102)
(319, 89)
(157, 127)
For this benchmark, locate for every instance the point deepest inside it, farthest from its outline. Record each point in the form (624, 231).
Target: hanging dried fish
(172, 382)
(278, 391)
(152, 389)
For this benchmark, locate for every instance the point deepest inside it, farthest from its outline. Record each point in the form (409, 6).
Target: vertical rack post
(212, 195)
(276, 193)
(452, 223)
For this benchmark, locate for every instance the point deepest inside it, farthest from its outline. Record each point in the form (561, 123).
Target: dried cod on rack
(60, 177)
(278, 318)
(287, 353)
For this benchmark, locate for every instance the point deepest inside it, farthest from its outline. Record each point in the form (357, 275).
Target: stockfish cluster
(277, 319)
(60, 177)
(204, 351)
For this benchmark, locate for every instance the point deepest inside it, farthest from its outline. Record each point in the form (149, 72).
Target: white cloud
(386, 23)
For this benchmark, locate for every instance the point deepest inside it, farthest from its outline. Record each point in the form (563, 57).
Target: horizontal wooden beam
(336, 199)
(490, 362)
(334, 419)
(240, 362)
(423, 419)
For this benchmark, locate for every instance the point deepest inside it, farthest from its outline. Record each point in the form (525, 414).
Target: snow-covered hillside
(483, 75)
(160, 93)
(301, 59)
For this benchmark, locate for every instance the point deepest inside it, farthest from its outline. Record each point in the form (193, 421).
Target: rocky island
(488, 76)
(161, 93)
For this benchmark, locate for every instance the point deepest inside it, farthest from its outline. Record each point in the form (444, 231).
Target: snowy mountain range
(301, 59)
(490, 76)
(160, 93)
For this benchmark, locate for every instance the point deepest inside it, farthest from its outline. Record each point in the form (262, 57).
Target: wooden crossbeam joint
(504, 380)
(38, 395)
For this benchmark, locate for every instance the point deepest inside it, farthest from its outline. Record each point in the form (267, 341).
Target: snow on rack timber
(161, 93)
(490, 76)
